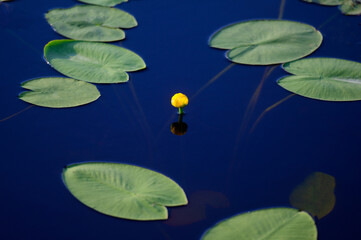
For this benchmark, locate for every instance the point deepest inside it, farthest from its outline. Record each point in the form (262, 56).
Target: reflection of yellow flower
(179, 128)
(179, 100)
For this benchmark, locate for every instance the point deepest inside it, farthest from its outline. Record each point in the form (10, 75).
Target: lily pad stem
(180, 111)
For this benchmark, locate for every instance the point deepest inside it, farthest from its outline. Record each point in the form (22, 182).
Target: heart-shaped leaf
(108, 3)
(315, 195)
(264, 42)
(122, 190)
(91, 61)
(329, 79)
(350, 7)
(265, 224)
(326, 2)
(58, 92)
(91, 23)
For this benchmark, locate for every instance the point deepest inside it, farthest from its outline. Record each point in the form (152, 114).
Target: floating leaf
(263, 42)
(122, 190)
(329, 79)
(91, 23)
(108, 3)
(58, 92)
(273, 223)
(91, 61)
(315, 195)
(326, 2)
(347, 7)
(350, 7)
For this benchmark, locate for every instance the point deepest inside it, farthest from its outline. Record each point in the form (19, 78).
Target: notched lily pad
(315, 195)
(58, 92)
(264, 42)
(272, 223)
(92, 61)
(328, 79)
(122, 190)
(350, 7)
(91, 23)
(326, 2)
(107, 3)
(347, 7)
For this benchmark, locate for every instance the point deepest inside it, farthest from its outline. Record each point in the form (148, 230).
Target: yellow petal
(179, 100)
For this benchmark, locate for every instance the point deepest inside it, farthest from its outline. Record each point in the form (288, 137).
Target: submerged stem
(213, 79)
(269, 109)
(15, 114)
(282, 9)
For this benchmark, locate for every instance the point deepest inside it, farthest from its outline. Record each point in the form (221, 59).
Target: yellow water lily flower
(179, 100)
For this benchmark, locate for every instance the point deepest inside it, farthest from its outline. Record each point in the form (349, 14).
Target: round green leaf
(329, 79)
(265, 224)
(263, 42)
(91, 61)
(91, 23)
(58, 92)
(350, 7)
(108, 3)
(316, 195)
(326, 2)
(122, 190)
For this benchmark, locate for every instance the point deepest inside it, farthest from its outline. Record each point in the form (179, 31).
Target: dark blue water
(219, 160)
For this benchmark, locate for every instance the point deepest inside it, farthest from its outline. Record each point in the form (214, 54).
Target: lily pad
(265, 224)
(328, 79)
(91, 23)
(91, 61)
(58, 92)
(326, 2)
(264, 42)
(315, 195)
(108, 3)
(122, 190)
(350, 7)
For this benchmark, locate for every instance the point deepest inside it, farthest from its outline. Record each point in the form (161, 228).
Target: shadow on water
(195, 211)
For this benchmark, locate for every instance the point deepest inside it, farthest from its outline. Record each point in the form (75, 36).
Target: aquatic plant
(315, 195)
(328, 79)
(347, 7)
(272, 223)
(122, 190)
(58, 92)
(91, 61)
(179, 100)
(108, 3)
(265, 42)
(91, 23)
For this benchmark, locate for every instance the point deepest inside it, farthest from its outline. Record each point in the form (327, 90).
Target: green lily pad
(265, 224)
(350, 7)
(326, 2)
(91, 61)
(108, 3)
(315, 195)
(91, 23)
(123, 191)
(264, 42)
(58, 92)
(329, 79)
